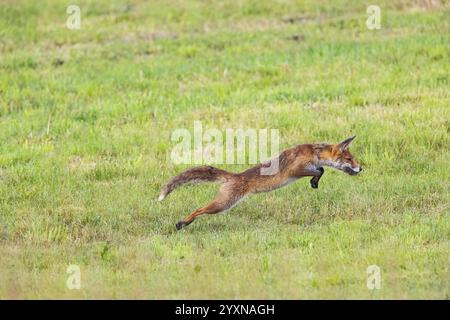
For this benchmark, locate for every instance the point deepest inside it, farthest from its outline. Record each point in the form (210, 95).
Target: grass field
(86, 118)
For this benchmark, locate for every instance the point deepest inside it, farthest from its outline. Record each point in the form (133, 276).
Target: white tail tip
(161, 197)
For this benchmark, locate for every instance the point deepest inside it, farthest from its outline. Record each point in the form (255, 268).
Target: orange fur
(294, 163)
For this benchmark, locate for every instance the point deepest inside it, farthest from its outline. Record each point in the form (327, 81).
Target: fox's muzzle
(353, 171)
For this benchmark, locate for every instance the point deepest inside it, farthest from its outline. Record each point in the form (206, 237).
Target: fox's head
(339, 157)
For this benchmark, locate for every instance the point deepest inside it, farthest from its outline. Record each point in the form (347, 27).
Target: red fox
(294, 163)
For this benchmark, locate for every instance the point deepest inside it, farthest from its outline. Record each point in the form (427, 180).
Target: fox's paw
(314, 183)
(180, 225)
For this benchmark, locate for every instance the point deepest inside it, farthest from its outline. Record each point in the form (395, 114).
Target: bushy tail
(198, 174)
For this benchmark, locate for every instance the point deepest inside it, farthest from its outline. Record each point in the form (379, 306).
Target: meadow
(86, 118)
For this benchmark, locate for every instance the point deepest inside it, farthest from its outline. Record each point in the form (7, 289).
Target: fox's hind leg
(211, 208)
(315, 180)
(225, 200)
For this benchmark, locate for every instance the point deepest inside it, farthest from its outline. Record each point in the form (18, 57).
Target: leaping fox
(294, 163)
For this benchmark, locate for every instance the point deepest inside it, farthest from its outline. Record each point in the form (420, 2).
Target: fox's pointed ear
(344, 145)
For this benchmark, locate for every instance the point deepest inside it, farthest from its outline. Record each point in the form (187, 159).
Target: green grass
(86, 118)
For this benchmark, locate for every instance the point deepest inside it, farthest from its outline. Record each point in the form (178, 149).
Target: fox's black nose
(360, 169)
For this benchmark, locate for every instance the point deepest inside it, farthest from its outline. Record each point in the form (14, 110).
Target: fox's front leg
(315, 180)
